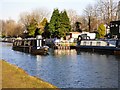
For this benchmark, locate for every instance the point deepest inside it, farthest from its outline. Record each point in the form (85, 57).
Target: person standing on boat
(79, 40)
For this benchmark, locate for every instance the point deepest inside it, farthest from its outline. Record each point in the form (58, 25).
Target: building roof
(75, 32)
(116, 22)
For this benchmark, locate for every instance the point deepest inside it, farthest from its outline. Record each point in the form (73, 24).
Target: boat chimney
(39, 41)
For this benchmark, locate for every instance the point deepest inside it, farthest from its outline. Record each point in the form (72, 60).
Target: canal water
(67, 68)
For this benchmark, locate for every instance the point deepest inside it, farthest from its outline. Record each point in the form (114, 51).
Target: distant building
(115, 25)
(74, 34)
(115, 28)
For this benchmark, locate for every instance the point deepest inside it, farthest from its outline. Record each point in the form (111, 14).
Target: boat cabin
(31, 45)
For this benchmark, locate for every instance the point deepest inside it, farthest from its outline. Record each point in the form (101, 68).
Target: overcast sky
(11, 9)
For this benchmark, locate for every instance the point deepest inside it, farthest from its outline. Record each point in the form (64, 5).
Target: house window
(112, 25)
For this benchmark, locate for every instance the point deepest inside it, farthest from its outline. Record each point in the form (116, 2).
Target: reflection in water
(67, 68)
(39, 58)
(64, 52)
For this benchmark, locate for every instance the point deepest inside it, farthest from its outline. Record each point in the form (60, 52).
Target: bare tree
(25, 19)
(107, 9)
(11, 28)
(1, 28)
(84, 23)
(18, 30)
(90, 15)
(74, 17)
(38, 15)
(103, 11)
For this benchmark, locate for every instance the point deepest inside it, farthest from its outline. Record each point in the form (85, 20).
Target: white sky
(11, 9)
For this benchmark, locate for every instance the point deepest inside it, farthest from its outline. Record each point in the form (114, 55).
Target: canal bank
(15, 77)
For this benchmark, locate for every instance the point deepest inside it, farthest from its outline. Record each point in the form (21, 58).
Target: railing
(98, 43)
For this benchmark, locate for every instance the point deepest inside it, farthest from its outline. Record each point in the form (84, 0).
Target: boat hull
(31, 50)
(41, 51)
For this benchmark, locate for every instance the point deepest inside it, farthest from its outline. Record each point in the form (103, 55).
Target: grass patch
(15, 77)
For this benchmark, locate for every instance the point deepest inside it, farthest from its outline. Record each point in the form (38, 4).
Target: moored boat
(31, 45)
(102, 46)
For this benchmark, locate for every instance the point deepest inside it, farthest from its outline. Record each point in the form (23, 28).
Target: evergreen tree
(42, 25)
(54, 23)
(37, 32)
(64, 24)
(59, 24)
(31, 28)
(77, 24)
(46, 33)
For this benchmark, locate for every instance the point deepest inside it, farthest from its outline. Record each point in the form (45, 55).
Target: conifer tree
(46, 33)
(44, 21)
(77, 28)
(31, 28)
(59, 24)
(64, 24)
(42, 25)
(54, 23)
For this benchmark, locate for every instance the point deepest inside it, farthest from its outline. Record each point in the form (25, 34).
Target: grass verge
(15, 77)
